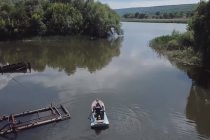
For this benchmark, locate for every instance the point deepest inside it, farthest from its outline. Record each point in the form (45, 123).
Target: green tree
(127, 15)
(171, 15)
(62, 19)
(157, 13)
(165, 15)
(142, 15)
(19, 3)
(79, 5)
(200, 24)
(100, 19)
(19, 22)
(37, 27)
(3, 31)
(132, 15)
(31, 6)
(136, 14)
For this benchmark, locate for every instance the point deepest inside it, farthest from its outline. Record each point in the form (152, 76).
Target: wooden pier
(39, 117)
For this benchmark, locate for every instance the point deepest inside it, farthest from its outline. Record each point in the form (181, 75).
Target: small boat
(101, 122)
(15, 68)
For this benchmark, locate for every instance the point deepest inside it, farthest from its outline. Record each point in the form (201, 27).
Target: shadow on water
(99, 130)
(198, 102)
(10, 136)
(66, 54)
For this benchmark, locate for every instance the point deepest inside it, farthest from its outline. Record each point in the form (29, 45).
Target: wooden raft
(14, 126)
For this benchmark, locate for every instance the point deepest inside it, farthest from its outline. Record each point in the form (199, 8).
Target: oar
(90, 115)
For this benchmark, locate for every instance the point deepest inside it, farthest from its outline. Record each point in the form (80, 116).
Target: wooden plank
(18, 126)
(32, 125)
(65, 110)
(13, 119)
(27, 113)
(38, 114)
(57, 111)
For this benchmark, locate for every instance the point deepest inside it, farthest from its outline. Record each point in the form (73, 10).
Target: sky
(117, 4)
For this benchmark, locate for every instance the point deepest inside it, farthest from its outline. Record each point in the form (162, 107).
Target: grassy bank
(177, 47)
(156, 20)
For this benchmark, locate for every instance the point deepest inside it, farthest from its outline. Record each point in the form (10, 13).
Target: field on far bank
(157, 20)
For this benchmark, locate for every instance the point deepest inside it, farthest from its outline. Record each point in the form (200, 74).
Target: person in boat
(98, 110)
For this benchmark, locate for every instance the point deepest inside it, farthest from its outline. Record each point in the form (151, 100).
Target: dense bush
(174, 41)
(200, 25)
(23, 18)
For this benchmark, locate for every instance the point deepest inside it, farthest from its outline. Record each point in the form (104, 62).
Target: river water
(146, 96)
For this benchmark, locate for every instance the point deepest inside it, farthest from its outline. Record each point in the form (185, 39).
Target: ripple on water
(184, 127)
(129, 121)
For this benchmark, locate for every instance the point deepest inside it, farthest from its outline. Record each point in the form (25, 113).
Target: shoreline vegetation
(173, 15)
(22, 19)
(177, 16)
(191, 47)
(185, 8)
(182, 20)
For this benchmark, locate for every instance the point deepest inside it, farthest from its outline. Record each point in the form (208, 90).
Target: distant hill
(150, 10)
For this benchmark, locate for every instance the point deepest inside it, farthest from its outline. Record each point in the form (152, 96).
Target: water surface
(146, 97)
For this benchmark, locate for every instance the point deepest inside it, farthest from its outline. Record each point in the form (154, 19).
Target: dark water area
(146, 96)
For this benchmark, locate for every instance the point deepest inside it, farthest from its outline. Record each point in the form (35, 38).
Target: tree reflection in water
(67, 53)
(198, 102)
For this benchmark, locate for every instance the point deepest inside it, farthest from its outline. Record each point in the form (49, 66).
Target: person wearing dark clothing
(98, 110)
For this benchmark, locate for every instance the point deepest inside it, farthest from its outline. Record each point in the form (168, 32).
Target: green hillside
(150, 10)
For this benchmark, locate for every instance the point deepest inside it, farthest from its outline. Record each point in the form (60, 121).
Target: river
(146, 96)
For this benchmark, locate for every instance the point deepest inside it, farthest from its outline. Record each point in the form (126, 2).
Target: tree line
(160, 15)
(25, 18)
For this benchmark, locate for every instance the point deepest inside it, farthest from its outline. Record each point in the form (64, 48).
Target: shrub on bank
(173, 45)
(186, 39)
(175, 41)
(177, 46)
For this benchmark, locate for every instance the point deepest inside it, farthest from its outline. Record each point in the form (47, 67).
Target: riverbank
(178, 47)
(156, 20)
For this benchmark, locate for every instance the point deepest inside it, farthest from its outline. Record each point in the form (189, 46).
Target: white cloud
(129, 4)
(4, 79)
(84, 82)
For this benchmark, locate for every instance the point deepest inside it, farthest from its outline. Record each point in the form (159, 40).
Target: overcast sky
(116, 4)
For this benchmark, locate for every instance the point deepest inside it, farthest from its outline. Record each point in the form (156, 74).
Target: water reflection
(99, 130)
(10, 136)
(198, 107)
(198, 101)
(145, 96)
(67, 55)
